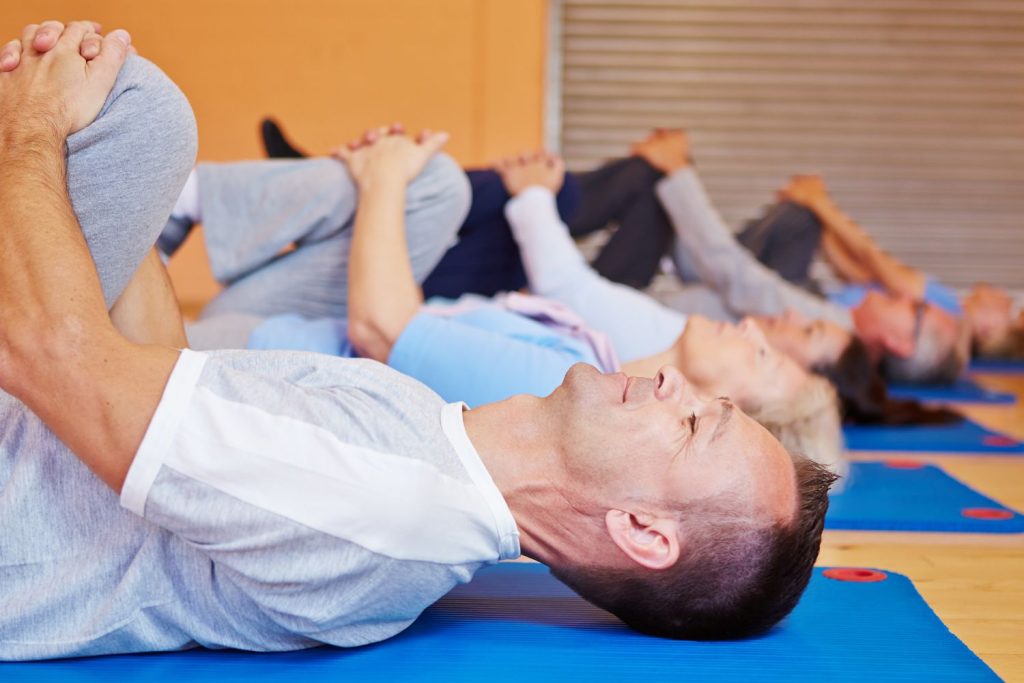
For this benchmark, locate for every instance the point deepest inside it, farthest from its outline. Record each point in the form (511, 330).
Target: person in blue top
(762, 271)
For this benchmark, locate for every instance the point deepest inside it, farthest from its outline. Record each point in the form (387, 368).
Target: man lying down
(153, 498)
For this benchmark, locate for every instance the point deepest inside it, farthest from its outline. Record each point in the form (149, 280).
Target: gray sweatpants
(80, 575)
(253, 210)
(126, 169)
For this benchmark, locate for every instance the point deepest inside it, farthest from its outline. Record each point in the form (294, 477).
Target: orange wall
(331, 68)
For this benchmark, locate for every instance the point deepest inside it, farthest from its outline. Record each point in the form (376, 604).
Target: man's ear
(898, 344)
(651, 542)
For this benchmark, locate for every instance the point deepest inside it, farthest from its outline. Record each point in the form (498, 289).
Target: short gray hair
(937, 357)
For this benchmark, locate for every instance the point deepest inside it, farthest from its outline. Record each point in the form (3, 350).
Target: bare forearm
(46, 272)
(147, 312)
(59, 353)
(846, 266)
(383, 295)
(869, 259)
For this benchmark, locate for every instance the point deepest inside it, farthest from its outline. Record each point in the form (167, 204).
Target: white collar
(454, 427)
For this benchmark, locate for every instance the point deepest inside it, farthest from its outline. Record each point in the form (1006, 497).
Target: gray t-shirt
(280, 500)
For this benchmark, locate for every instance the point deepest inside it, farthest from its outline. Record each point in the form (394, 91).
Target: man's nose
(665, 381)
(670, 383)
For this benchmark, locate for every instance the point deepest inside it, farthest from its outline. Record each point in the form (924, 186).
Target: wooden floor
(974, 582)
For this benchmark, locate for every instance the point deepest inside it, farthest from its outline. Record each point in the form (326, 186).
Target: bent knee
(445, 186)
(146, 110)
(126, 169)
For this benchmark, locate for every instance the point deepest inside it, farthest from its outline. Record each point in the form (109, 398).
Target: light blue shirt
(478, 356)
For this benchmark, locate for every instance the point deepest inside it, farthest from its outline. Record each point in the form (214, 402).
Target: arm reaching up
(57, 344)
(383, 294)
(637, 325)
(745, 285)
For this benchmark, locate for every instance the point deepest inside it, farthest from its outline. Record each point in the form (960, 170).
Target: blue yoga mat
(964, 390)
(995, 365)
(909, 496)
(516, 623)
(965, 437)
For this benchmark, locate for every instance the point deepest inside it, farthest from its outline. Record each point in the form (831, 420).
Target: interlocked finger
(46, 36)
(10, 55)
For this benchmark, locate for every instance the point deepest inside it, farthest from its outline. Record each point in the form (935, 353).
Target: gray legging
(126, 169)
(253, 210)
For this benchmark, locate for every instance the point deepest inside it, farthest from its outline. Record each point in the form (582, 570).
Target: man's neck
(517, 442)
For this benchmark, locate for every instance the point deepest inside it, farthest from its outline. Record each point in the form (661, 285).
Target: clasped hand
(55, 78)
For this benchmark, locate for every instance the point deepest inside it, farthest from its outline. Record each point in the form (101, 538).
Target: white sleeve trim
(161, 431)
(454, 427)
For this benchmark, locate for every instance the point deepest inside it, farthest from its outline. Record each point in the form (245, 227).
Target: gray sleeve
(126, 170)
(282, 580)
(745, 285)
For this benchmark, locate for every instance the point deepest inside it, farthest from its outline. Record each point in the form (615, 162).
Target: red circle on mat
(855, 574)
(986, 513)
(903, 464)
(998, 440)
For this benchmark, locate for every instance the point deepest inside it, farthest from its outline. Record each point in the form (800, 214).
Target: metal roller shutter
(912, 109)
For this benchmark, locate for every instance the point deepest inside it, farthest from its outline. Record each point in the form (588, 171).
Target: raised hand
(47, 83)
(667, 149)
(43, 37)
(388, 154)
(527, 170)
(806, 190)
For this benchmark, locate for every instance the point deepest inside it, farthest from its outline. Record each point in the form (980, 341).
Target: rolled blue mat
(966, 438)
(516, 623)
(901, 495)
(964, 390)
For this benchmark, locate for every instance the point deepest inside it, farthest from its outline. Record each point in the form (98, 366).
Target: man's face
(899, 320)
(810, 343)
(887, 314)
(722, 359)
(656, 442)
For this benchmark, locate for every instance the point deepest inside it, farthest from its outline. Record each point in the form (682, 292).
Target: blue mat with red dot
(906, 495)
(963, 438)
(516, 623)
